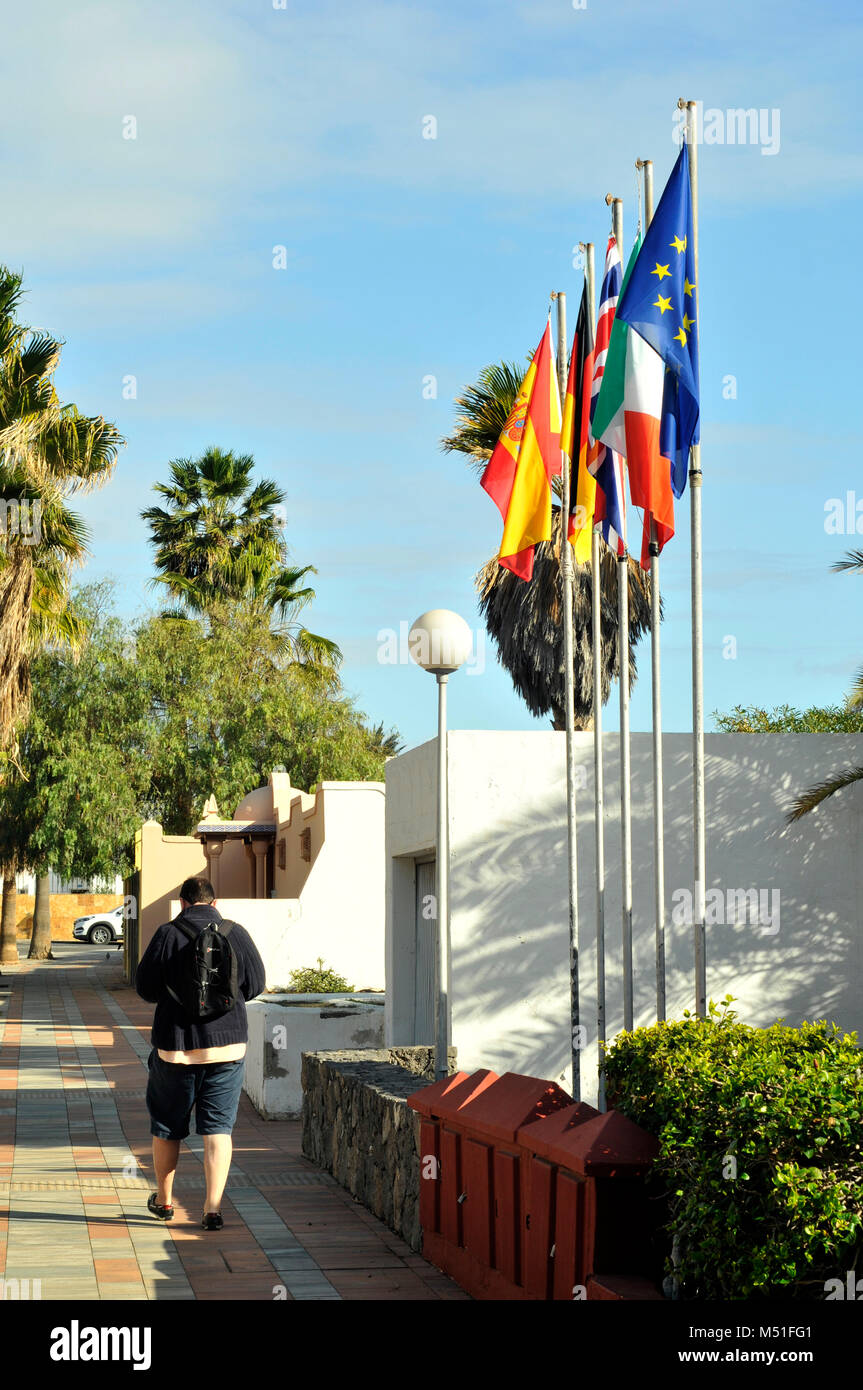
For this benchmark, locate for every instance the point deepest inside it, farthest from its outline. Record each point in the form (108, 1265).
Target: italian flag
(627, 419)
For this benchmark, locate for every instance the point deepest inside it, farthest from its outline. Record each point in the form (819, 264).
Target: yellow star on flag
(661, 304)
(681, 336)
(687, 322)
(660, 270)
(678, 244)
(688, 286)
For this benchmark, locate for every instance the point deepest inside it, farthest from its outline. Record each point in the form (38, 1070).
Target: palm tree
(813, 796)
(525, 620)
(48, 452)
(386, 745)
(218, 543)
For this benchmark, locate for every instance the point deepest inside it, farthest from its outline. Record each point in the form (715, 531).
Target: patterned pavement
(76, 1170)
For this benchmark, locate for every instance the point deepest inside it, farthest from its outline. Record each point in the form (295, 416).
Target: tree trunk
(40, 941)
(8, 933)
(16, 599)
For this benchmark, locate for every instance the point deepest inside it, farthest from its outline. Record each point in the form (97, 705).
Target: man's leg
(166, 1152)
(217, 1162)
(217, 1101)
(170, 1097)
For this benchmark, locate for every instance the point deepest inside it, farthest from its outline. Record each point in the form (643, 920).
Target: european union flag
(659, 303)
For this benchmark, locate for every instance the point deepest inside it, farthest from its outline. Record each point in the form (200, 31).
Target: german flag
(575, 435)
(525, 459)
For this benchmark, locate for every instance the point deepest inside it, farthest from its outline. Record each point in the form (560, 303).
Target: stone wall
(357, 1125)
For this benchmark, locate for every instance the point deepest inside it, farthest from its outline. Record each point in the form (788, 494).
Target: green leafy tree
(73, 802)
(219, 543)
(88, 746)
(148, 722)
(228, 705)
(53, 622)
(525, 620)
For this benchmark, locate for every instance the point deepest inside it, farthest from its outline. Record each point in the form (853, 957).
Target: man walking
(198, 1039)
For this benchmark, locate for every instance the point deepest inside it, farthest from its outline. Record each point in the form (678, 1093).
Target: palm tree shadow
(509, 899)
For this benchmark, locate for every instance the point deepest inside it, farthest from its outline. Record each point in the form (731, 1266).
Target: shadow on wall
(804, 959)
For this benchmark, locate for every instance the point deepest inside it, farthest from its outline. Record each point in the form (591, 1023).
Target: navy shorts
(175, 1089)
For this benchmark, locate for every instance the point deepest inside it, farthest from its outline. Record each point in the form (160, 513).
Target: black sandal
(164, 1213)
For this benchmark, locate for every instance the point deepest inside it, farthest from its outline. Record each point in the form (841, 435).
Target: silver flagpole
(625, 771)
(700, 855)
(596, 618)
(569, 702)
(646, 165)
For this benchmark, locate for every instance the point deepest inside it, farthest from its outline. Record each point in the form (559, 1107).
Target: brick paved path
(76, 1170)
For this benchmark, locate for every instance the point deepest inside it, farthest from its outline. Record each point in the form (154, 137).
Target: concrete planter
(284, 1026)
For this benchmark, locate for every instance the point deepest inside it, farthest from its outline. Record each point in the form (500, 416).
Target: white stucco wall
(508, 887)
(343, 899)
(275, 927)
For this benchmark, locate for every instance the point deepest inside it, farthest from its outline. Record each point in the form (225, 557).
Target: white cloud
(239, 115)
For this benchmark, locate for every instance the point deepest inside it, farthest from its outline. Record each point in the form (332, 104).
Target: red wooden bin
(475, 1225)
(597, 1218)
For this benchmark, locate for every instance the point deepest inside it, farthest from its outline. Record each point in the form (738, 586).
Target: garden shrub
(319, 979)
(760, 1155)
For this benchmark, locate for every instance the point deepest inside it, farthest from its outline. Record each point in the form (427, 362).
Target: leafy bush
(832, 719)
(318, 980)
(760, 1158)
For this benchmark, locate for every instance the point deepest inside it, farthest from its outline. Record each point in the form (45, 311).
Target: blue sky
(406, 257)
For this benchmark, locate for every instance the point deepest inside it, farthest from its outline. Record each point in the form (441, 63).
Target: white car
(100, 927)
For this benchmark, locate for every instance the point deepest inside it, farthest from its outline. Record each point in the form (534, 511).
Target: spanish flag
(525, 459)
(575, 435)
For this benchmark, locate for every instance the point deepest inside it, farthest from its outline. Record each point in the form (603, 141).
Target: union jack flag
(605, 465)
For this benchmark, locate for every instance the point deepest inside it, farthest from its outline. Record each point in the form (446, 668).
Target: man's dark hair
(197, 890)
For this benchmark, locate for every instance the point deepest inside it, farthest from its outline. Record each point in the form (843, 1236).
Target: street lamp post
(440, 642)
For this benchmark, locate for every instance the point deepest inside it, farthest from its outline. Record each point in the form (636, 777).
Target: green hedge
(780, 1107)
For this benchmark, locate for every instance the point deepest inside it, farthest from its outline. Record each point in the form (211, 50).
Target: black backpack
(203, 973)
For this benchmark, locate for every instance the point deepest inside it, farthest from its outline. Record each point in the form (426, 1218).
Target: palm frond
(853, 562)
(482, 411)
(855, 696)
(525, 621)
(813, 797)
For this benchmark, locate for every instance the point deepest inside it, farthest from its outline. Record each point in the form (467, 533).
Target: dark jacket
(172, 1030)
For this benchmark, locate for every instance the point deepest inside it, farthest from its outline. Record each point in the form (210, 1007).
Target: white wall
(275, 927)
(508, 887)
(343, 897)
(283, 1027)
